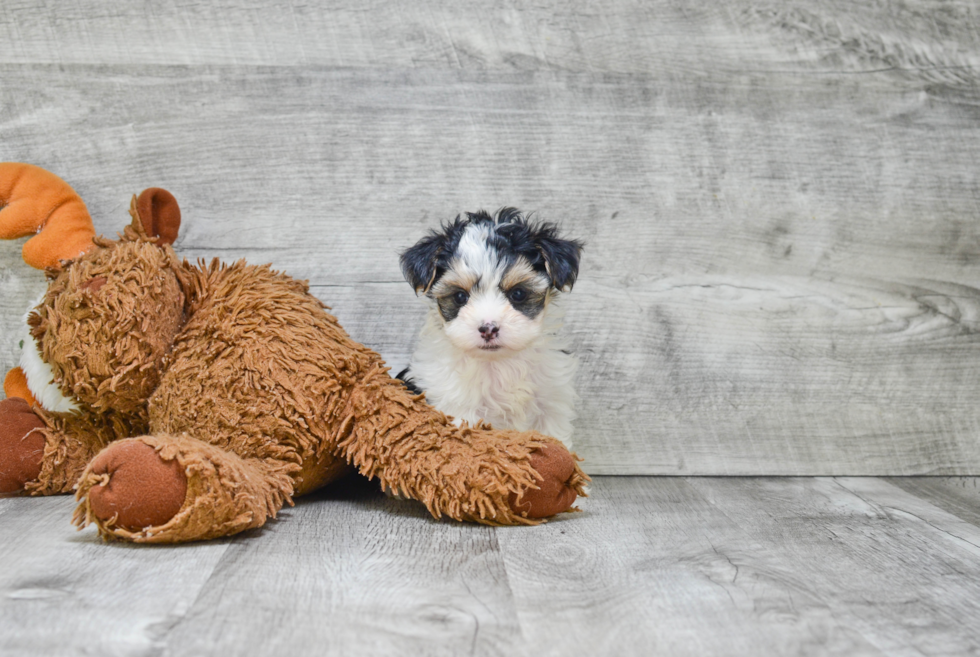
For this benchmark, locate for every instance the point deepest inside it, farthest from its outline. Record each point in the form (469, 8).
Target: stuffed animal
(186, 402)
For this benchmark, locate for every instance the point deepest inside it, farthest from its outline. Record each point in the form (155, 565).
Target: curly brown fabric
(225, 494)
(71, 441)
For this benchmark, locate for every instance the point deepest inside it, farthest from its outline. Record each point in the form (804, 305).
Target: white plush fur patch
(40, 378)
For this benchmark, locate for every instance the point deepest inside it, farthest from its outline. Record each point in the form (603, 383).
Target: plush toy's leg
(43, 453)
(493, 477)
(171, 489)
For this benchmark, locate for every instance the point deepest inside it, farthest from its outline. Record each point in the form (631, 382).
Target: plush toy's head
(111, 311)
(108, 319)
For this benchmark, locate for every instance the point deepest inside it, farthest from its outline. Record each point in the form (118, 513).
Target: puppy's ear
(419, 263)
(424, 263)
(560, 257)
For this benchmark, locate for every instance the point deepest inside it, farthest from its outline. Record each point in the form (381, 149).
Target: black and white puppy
(489, 348)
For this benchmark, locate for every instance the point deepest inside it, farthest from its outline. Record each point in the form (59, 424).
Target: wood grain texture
(665, 565)
(929, 39)
(64, 592)
(662, 571)
(351, 572)
(864, 554)
(737, 566)
(959, 496)
(779, 200)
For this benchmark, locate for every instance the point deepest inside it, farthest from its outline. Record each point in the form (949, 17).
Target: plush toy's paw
(136, 488)
(559, 484)
(21, 445)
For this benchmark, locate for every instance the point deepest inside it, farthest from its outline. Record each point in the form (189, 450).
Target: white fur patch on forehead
(475, 263)
(474, 252)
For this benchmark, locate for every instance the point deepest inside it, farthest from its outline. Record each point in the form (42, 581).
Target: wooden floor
(669, 566)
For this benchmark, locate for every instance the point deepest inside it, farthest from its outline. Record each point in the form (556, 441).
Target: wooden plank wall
(780, 200)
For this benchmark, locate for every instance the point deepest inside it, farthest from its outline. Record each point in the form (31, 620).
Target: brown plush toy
(189, 402)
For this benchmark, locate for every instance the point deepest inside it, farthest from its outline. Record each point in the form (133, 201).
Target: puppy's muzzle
(489, 331)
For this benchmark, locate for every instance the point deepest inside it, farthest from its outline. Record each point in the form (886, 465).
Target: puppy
(489, 348)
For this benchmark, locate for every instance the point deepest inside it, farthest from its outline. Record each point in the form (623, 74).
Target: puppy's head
(492, 278)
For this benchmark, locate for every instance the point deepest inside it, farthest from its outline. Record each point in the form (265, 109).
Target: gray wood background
(780, 200)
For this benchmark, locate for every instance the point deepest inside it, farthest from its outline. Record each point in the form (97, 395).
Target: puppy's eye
(518, 294)
(460, 298)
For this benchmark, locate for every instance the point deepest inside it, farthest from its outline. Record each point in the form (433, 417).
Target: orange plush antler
(36, 202)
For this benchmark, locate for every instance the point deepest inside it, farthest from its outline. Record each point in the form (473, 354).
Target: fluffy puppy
(489, 348)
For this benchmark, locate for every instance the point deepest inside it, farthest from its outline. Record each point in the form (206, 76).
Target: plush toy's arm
(44, 453)
(492, 477)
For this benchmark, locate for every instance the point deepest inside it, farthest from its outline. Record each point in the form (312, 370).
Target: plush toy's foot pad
(137, 487)
(21, 445)
(558, 487)
(174, 489)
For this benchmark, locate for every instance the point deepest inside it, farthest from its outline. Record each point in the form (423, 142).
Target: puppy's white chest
(491, 394)
(498, 394)
(505, 387)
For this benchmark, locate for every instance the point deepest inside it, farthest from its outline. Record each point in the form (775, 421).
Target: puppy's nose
(489, 331)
